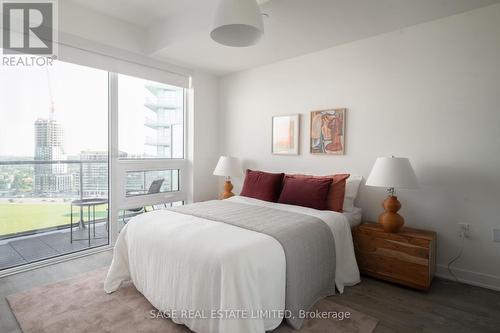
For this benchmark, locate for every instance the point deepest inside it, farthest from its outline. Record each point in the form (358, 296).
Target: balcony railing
(35, 195)
(78, 185)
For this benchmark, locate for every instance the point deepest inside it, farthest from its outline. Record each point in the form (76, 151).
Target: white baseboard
(469, 277)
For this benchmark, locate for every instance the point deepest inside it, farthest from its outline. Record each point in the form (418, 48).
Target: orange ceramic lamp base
(390, 220)
(228, 187)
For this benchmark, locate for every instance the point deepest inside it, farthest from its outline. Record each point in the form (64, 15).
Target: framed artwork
(328, 132)
(285, 135)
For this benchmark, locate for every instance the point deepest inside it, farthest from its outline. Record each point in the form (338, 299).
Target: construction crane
(51, 107)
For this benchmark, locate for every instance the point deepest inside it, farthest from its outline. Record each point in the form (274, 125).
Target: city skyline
(77, 95)
(52, 126)
(78, 100)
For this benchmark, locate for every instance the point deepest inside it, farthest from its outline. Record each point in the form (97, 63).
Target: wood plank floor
(447, 307)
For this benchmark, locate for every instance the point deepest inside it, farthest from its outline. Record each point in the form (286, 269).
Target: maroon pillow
(335, 199)
(306, 192)
(262, 185)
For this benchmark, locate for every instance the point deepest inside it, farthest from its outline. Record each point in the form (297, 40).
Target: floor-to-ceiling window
(53, 161)
(151, 119)
(64, 130)
(150, 144)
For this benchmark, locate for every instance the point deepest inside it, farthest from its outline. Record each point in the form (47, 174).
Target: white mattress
(354, 217)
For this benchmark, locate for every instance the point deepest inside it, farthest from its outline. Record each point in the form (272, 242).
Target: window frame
(185, 92)
(119, 167)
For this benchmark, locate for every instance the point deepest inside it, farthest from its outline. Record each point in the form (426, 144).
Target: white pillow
(351, 192)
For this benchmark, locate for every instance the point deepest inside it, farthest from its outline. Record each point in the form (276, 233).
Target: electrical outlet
(464, 230)
(496, 234)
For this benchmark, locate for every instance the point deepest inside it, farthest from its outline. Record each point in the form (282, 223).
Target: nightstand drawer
(407, 257)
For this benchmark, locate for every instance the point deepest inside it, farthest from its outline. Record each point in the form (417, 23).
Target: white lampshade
(392, 172)
(237, 23)
(228, 167)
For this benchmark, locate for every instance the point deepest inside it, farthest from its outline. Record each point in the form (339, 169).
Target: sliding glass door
(53, 161)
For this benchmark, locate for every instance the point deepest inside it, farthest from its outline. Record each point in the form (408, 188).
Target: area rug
(81, 305)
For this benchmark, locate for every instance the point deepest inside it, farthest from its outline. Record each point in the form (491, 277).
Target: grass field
(16, 217)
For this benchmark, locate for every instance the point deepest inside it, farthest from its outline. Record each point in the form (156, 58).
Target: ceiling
(178, 30)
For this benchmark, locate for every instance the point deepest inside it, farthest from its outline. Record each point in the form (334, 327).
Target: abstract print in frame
(285, 135)
(328, 131)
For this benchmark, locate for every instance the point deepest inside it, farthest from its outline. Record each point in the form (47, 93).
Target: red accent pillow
(307, 192)
(335, 199)
(262, 185)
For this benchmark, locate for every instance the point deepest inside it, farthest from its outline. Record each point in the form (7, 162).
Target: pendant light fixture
(237, 23)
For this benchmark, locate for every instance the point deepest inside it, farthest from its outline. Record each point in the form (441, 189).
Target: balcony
(159, 89)
(155, 124)
(47, 244)
(161, 104)
(35, 208)
(35, 216)
(160, 141)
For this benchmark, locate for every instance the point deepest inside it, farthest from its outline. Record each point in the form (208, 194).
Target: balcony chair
(153, 189)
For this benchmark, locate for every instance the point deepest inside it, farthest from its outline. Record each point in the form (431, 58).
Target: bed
(198, 270)
(354, 216)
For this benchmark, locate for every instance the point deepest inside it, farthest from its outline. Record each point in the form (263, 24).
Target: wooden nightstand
(407, 257)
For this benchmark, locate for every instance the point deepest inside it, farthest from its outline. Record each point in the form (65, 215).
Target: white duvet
(215, 277)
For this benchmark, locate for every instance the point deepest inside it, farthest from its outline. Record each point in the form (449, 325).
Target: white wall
(429, 92)
(205, 139)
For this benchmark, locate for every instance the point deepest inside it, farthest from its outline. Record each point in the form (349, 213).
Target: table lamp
(392, 172)
(228, 167)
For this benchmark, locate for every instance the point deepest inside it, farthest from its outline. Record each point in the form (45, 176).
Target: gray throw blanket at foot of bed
(307, 241)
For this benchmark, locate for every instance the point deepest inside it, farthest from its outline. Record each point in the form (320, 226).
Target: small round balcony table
(90, 204)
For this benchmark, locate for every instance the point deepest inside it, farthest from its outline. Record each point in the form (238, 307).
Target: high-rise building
(94, 173)
(166, 120)
(50, 178)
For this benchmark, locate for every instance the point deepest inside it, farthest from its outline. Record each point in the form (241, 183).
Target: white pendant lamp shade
(392, 172)
(237, 23)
